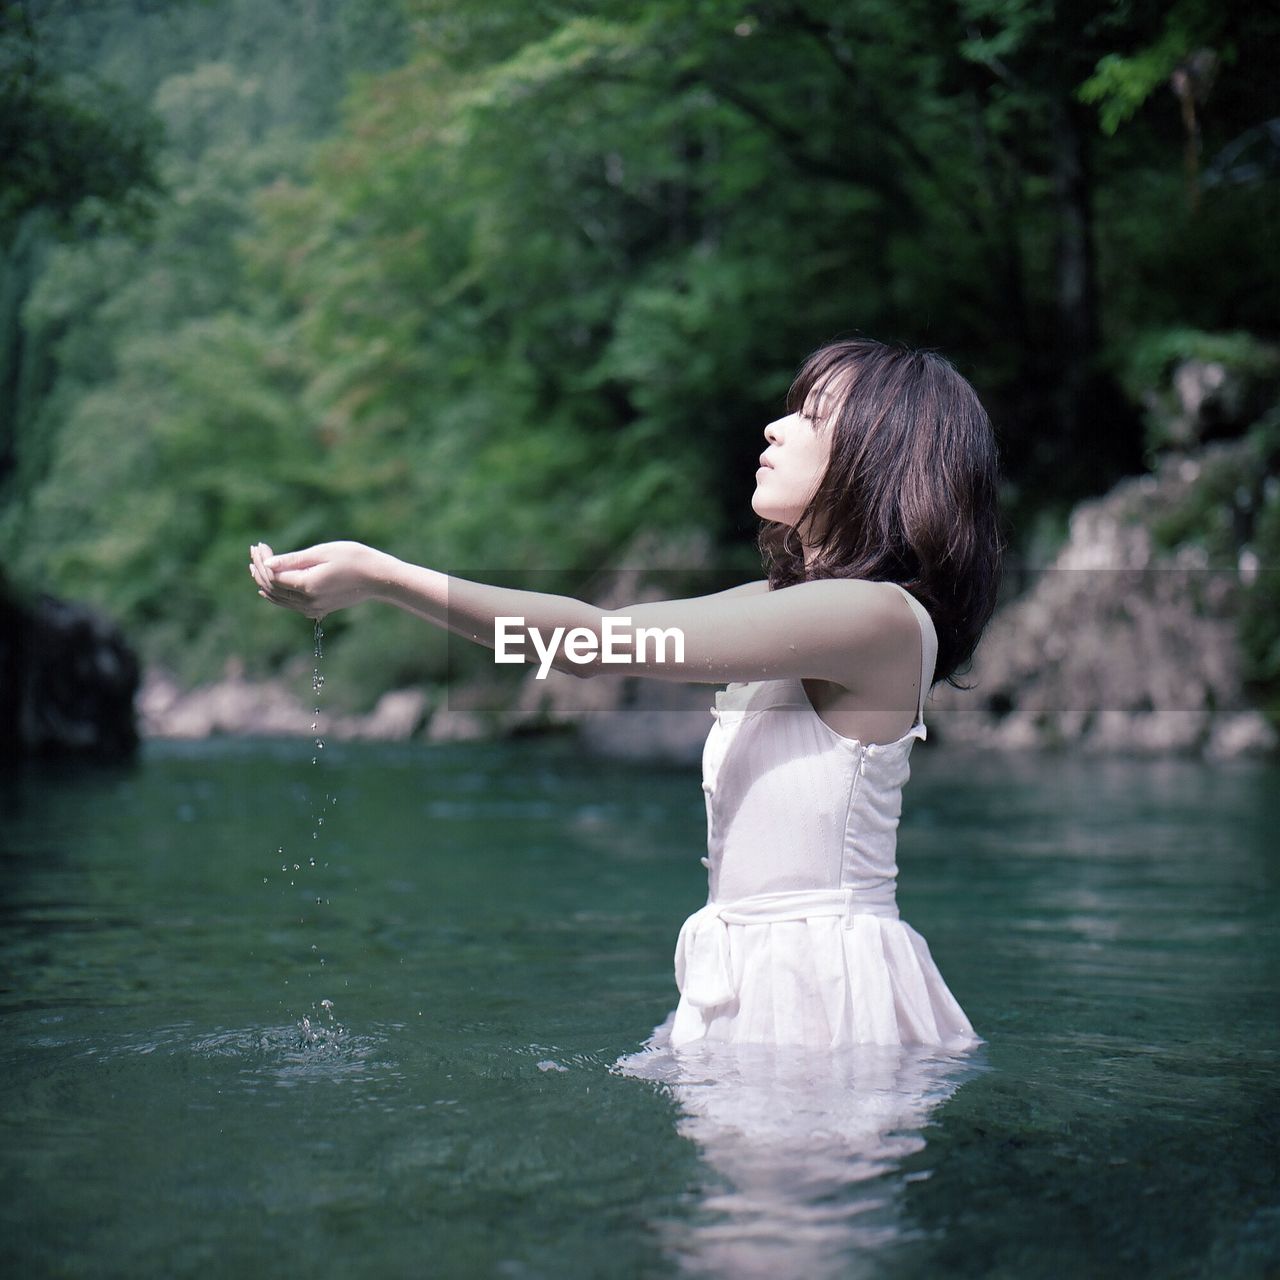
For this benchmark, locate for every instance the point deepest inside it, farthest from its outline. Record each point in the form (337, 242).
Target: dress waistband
(704, 972)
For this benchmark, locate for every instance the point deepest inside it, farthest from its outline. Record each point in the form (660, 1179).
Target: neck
(808, 548)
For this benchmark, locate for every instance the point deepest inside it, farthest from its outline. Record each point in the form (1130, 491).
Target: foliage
(1260, 614)
(1193, 384)
(503, 287)
(1122, 83)
(70, 144)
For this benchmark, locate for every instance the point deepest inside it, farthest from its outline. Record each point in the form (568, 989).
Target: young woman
(882, 549)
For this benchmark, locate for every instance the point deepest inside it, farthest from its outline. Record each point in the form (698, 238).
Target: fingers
(258, 554)
(269, 587)
(282, 579)
(290, 560)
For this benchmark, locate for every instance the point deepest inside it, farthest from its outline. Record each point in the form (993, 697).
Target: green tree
(77, 155)
(539, 281)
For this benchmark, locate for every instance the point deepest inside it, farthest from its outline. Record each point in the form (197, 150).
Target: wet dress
(800, 941)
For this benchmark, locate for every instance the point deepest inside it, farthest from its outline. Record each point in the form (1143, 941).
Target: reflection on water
(805, 1146)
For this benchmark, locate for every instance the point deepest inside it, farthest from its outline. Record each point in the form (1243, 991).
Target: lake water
(494, 925)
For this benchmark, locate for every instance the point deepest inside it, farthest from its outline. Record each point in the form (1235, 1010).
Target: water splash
(318, 807)
(317, 684)
(301, 873)
(317, 1033)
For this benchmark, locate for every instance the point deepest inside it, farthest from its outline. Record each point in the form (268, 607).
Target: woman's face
(792, 466)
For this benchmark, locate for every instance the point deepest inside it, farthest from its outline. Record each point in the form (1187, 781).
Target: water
(497, 931)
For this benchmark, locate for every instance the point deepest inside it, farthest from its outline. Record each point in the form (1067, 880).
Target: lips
(764, 462)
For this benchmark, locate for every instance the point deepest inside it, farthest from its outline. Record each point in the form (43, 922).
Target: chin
(767, 511)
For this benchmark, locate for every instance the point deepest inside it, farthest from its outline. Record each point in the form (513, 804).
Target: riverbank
(1128, 641)
(1116, 647)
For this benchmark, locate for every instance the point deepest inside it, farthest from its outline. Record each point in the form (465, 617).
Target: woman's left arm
(336, 575)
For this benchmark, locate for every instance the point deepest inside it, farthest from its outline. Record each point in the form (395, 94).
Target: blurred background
(511, 288)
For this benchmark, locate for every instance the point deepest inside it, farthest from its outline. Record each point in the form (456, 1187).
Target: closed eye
(816, 414)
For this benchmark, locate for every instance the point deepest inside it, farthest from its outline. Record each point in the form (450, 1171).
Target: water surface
(493, 928)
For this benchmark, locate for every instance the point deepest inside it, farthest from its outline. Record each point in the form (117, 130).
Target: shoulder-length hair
(910, 490)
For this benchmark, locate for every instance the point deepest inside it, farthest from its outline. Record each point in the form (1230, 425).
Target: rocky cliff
(1122, 643)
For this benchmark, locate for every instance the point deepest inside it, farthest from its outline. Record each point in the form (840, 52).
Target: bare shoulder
(865, 626)
(840, 630)
(868, 609)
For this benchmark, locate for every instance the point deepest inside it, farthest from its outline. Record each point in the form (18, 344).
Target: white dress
(800, 942)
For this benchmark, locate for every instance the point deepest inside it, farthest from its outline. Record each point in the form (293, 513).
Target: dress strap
(928, 648)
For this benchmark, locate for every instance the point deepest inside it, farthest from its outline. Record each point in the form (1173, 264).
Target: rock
(1245, 734)
(1167, 732)
(232, 705)
(1118, 646)
(266, 708)
(397, 717)
(455, 724)
(67, 682)
(1203, 386)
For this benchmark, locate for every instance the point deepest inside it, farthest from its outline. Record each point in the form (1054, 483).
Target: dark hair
(910, 491)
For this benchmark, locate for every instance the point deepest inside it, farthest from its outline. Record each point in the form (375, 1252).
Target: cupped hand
(318, 580)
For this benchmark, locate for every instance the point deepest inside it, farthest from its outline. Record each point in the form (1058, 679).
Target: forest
(511, 288)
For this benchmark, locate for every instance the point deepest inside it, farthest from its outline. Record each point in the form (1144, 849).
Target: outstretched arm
(830, 630)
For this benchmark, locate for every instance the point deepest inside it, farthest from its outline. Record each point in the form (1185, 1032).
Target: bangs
(816, 378)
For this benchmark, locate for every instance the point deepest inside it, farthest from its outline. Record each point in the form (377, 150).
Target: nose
(771, 431)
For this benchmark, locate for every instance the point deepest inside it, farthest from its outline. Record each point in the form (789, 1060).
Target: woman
(881, 542)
